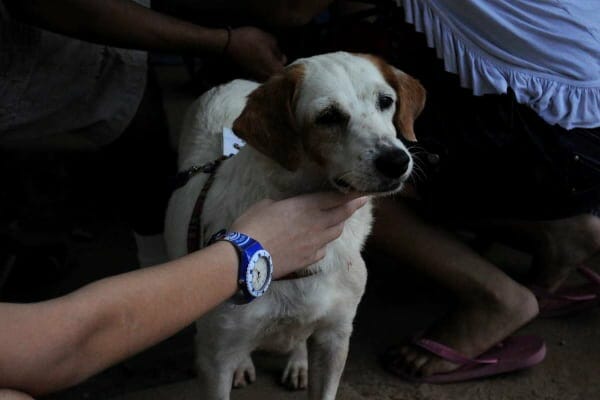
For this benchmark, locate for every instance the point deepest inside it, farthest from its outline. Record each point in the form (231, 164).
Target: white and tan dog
(327, 122)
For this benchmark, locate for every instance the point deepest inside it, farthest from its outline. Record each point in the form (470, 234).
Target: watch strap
(244, 246)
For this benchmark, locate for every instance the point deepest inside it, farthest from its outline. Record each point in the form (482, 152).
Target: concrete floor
(396, 305)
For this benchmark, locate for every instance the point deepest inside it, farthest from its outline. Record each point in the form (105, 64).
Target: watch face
(259, 273)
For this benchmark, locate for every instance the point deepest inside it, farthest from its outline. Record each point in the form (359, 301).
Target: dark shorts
(488, 156)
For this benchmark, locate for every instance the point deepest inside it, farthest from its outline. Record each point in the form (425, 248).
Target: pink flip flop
(512, 354)
(570, 300)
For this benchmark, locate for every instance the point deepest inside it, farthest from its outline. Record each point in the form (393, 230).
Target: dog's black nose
(392, 163)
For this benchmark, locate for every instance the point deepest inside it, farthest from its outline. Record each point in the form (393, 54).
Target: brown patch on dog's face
(267, 122)
(339, 119)
(411, 96)
(319, 140)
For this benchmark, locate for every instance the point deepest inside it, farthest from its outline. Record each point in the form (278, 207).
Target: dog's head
(343, 113)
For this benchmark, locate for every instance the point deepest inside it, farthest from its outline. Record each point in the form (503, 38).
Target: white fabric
(547, 52)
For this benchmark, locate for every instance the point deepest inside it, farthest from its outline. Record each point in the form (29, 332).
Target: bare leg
(492, 305)
(558, 246)
(6, 394)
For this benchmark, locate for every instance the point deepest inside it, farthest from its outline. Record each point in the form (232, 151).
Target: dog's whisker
(419, 173)
(344, 175)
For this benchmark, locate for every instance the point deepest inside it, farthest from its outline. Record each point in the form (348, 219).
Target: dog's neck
(253, 177)
(254, 168)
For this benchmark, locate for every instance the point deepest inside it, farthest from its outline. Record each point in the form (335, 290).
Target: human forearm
(119, 23)
(178, 292)
(66, 340)
(285, 13)
(54, 344)
(12, 395)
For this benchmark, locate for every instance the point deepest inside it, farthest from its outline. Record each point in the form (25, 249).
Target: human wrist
(255, 268)
(229, 253)
(227, 45)
(229, 262)
(208, 40)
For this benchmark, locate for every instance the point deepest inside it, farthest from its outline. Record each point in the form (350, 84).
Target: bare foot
(567, 244)
(471, 330)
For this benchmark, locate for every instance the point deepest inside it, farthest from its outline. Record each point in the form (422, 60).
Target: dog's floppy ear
(411, 101)
(267, 122)
(410, 97)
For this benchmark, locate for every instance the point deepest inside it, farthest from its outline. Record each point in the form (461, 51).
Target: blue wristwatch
(256, 267)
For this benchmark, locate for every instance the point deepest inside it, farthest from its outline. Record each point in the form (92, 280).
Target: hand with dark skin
(126, 24)
(260, 61)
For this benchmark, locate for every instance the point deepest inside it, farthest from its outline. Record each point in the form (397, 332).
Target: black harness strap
(193, 236)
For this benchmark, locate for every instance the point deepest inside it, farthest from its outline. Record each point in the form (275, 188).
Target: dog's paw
(244, 374)
(295, 375)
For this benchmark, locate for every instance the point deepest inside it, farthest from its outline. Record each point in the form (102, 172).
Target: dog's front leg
(217, 370)
(295, 375)
(327, 352)
(214, 380)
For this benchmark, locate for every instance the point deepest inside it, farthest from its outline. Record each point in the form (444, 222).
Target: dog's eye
(384, 101)
(331, 116)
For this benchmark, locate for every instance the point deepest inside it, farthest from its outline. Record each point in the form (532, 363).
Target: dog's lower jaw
(388, 192)
(342, 185)
(298, 182)
(345, 187)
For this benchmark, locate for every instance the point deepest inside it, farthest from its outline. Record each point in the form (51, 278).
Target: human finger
(326, 200)
(331, 233)
(319, 255)
(277, 53)
(341, 213)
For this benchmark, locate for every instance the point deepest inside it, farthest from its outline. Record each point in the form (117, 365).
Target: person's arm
(119, 23)
(286, 13)
(124, 23)
(6, 394)
(54, 344)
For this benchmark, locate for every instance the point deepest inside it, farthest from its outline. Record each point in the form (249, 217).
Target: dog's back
(200, 142)
(201, 139)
